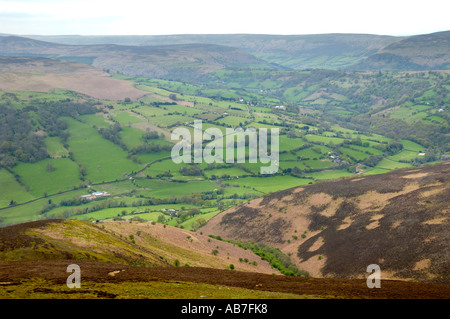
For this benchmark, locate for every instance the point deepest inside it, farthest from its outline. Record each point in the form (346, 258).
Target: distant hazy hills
(326, 51)
(172, 61)
(191, 56)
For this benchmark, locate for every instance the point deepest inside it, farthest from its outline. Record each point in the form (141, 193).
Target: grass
(270, 184)
(170, 120)
(324, 139)
(316, 164)
(234, 121)
(308, 153)
(38, 288)
(329, 174)
(185, 110)
(164, 166)
(403, 156)
(126, 117)
(354, 154)
(149, 111)
(115, 188)
(164, 189)
(390, 164)
(95, 119)
(291, 164)
(287, 143)
(411, 146)
(40, 180)
(102, 159)
(148, 158)
(30, 211)
(153, 211)
(206, 216)
(55, 147)
(131, 137)
(231, 171)
(11, 190)
(375, 171)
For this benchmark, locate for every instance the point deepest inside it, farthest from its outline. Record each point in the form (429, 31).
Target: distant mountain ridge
(421, 52)
(176, 56)
(171, 61)
(327, 51)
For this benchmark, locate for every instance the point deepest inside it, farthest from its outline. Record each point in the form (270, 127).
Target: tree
(50, 167)
(161, 219)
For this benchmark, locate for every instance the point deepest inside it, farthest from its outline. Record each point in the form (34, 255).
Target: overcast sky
(133, 17)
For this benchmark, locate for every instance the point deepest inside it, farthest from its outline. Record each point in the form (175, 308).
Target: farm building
(94, 195)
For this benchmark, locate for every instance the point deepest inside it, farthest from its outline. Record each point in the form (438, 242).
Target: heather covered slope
(397, 220)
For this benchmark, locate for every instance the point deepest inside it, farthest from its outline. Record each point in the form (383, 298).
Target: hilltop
(398, 220)
(421, 52)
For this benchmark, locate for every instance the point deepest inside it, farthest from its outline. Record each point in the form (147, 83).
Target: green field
(404, 156)
(102, 159)
(163, 189)
(329, 174)
(270, 184)
(411, 146)
(12, 190)
(389, 164)
(49, 176)
(55, 147)
(354, 154)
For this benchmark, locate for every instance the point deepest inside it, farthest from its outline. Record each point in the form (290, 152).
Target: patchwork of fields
(123, 149)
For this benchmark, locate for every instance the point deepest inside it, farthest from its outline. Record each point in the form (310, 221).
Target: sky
(162, 17)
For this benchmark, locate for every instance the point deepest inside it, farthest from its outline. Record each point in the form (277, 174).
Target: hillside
(45, 75)
(421, 52)
(185, 61)
(398, 220)
(34, 258)
(126, 243)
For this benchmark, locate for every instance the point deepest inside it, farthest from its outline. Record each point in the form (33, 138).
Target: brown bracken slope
(397, 220)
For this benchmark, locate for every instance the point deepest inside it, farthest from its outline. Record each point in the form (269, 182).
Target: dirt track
(98, 272)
